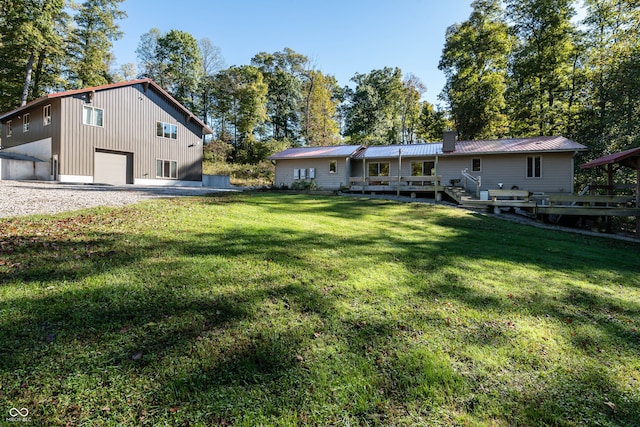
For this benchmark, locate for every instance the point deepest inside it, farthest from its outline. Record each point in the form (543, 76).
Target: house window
(476, 165)
(166, 169)
(333, 166)
(9, 129)
(25, 123)
(92, 116)
(46, 115)
(422, 168)
(379, 169)
(534, 167)
(166, 130)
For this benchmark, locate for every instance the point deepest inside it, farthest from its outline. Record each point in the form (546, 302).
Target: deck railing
(393, 180)
(476, 180)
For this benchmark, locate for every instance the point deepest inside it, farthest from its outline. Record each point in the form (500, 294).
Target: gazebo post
(638, 197)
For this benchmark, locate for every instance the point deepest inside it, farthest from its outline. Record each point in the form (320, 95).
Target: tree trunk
(27, 79)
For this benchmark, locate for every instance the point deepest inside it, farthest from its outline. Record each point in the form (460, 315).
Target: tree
(373, 108)
(541, 65)
(611, 117)
(174, 61)
(321, 94)
(474, 60)
(212, 62)
(432, 123)
(31, 49)
(283, 72)
(92, 40)
(179, 57)
(147, 56)
(124, 72)
(241, 96)
(410, 107)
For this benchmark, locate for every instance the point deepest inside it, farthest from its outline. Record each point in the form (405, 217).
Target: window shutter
(296, 174)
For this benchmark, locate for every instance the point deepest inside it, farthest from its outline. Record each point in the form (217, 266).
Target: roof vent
(449, 141)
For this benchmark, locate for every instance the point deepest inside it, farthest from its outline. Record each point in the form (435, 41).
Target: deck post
(638, 198)
(364, 173)
(435, 169)
(399, 170)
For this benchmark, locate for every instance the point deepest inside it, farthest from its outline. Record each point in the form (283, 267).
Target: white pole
(435, 171)
(399, 170)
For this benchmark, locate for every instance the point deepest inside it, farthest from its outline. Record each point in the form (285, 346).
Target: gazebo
(628, 158)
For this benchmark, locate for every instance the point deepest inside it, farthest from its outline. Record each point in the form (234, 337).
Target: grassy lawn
(300, 310)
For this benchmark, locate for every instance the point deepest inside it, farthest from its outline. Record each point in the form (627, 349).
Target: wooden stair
(459, 194)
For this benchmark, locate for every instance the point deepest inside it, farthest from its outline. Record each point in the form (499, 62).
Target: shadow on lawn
(175, 308)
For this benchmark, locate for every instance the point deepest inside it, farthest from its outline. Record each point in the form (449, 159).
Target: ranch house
(537, 165)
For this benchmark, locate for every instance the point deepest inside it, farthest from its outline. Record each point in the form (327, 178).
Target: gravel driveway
(38, 197)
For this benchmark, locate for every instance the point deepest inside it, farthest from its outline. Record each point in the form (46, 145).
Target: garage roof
(146, 82)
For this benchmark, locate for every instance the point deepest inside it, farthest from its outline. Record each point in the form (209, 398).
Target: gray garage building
(125, 133)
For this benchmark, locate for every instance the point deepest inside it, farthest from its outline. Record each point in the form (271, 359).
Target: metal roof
(315, 152)
(624, 158)
(498, 146)
(408, 150)
(517, 145)
(146, 82)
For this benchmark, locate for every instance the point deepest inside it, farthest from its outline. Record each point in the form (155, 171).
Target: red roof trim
(148, 82)
(612, 158)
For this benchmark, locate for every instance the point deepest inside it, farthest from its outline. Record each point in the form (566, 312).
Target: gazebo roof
(630, 158)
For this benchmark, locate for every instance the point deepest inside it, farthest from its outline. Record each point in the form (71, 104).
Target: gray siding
(323, 179)
(508, 169)
(129, 126)
(511, 170)
(37, 129)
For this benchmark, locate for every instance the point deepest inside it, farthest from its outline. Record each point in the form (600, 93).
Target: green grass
(298, 310)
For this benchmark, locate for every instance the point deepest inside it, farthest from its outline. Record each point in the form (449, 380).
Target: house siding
(323, 179)
(508, 169)
(129, 126)
(511, 171)
(37, 130)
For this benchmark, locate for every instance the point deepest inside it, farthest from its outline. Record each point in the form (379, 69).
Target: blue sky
(340, 37)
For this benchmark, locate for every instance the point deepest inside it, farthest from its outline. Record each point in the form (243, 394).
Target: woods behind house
(513, 69)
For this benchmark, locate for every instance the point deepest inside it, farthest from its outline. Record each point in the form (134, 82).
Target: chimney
(449, 141)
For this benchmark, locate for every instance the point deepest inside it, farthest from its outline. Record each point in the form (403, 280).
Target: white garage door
(111, 168)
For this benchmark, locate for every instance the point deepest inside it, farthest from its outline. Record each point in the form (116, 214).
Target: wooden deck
(538, 204)
(588, 205)
(392, 184)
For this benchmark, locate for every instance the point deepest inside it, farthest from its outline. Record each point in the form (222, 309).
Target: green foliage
(373, 114)
(410, 107)
(283, 73)
(321, 126)
(242, 174)
(91, 42)
(542, 66)
(432, 123)
(273, 309)
(217, 151)
(240, 103)
(474, 60)
(610, 120)
(32, 49)
(304, 185)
